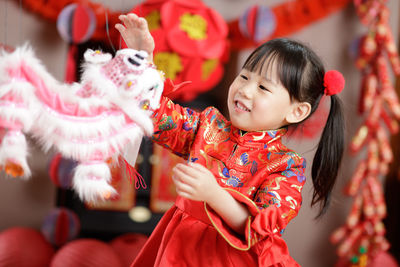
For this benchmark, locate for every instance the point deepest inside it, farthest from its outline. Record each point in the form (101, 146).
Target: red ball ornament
(24, 247)
(128, 246)
(86, 252)
(76, 23)
(61, 171)
(60, 226)
(333, 82)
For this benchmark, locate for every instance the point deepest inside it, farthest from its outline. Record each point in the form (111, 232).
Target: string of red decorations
(289, 17)
(259, 23)
(362, 237)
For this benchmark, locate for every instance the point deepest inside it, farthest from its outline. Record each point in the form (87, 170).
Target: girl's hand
(195, 182)
(136, 33)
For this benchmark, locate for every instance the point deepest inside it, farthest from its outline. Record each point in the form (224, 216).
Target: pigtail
(328, 156)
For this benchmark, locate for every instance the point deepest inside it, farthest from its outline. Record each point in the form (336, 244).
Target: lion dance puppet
(99, 119)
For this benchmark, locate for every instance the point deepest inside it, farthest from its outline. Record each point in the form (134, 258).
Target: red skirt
(185, 236)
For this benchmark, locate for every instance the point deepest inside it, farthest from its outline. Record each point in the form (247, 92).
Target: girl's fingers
(142, 22)
(183, 194)
(124, 19)
(121, 17)
(181, 187)
(133, 20)
(184, 187)
(186, 169)
(120, 27)
(198, 167)
(183, 176)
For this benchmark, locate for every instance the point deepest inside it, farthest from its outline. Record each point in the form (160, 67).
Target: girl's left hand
(195, 182)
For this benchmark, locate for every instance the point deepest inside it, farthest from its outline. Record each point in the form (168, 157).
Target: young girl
(241, 185)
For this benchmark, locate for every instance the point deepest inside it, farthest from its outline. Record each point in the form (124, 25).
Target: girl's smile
(240, 107)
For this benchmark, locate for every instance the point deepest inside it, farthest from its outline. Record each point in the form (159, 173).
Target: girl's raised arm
(135, 33)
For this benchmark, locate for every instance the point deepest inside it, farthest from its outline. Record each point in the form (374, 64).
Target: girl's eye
(262, 87)
(244, 77)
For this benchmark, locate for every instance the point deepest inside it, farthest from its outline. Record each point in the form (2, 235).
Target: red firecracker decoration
(24, 247)
(191, 43)
(362, 238)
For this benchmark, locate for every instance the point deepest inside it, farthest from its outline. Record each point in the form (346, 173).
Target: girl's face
(258, 102)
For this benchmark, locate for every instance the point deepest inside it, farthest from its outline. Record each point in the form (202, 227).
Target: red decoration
(60, 226)
(61, 171)
(128, 246)
(191, 43)
(50, 9)
(333, 82)
(289, 17)
(24, 247)
(364, 229)
(86, 252)
(184, 50)
(76, 23)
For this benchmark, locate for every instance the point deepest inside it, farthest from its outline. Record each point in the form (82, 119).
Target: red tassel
(133, 174)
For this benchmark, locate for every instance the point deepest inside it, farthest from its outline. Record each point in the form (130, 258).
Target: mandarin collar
(256, 138)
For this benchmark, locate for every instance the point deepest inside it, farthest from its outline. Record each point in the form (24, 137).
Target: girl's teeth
(240, 106)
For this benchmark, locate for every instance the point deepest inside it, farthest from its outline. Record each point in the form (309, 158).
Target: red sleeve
(275, 204)
(175, 127)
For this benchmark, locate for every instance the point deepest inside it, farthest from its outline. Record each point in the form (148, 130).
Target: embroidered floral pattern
(234, 181)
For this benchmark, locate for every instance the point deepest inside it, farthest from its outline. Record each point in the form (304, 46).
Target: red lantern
(128, 246)
(24, 247)
(86, 252)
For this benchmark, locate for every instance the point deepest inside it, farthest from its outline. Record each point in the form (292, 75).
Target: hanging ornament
(61, 171)
(76, 23)
(60, 226)
(257, 23)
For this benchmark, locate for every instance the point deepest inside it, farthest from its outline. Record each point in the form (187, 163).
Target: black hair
(301, 72)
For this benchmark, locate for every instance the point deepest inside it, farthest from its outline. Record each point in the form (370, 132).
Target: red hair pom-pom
(333, 82)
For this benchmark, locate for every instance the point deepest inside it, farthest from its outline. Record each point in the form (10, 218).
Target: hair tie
(333, 82)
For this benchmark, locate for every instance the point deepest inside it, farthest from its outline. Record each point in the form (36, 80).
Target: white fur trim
(96, 57)
(91, 181)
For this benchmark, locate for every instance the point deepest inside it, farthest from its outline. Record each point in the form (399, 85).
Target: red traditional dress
(254, 167)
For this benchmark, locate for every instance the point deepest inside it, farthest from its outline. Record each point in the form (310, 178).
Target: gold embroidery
(298, 187)
(277, 181)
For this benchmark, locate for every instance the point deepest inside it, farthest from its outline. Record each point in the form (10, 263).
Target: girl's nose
(245, 91)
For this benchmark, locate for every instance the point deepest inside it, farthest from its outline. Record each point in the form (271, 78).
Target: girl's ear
(299, 112)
